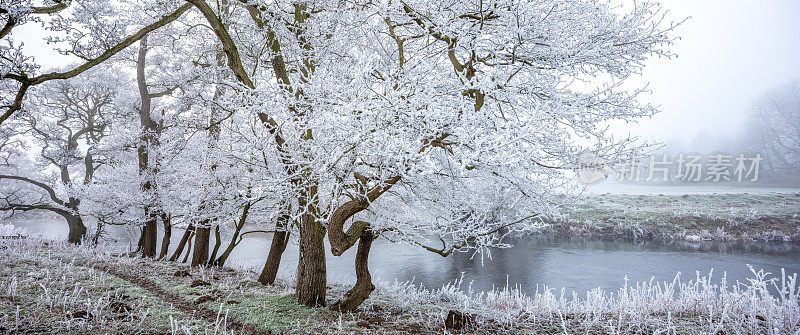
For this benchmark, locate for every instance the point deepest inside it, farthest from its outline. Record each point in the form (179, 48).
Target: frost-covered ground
(47, 287)
(612, 187)
(761, 217)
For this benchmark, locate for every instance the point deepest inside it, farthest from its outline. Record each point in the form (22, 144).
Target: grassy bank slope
(48, 288)
(52, 288)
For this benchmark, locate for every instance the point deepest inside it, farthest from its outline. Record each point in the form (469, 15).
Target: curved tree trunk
(311, 280)
(182, 244)
(201, 240)
(279, 240)
(363, 287)
(77, 230)
(165, 220)
(341, 240)
(358, 231)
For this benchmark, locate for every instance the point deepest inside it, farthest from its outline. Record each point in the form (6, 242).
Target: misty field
(47, 286)
(762, 217)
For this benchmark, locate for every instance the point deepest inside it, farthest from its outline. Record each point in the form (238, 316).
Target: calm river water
(534, 263)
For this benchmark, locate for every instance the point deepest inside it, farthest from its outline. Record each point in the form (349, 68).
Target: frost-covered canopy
(448, 125)
(437, 122)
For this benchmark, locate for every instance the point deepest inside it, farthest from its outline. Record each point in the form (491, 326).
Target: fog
(730, 53)
(733, 59)
(409, 167)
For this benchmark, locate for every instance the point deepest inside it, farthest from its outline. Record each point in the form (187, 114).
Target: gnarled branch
(341, 241)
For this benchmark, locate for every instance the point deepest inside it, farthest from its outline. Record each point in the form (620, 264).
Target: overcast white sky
(730, 52)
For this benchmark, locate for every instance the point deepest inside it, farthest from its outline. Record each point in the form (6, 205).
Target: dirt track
(187, 307)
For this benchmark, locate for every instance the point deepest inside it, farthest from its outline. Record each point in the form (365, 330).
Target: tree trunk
(182, 244)
(201, 240)
(165, 220)
(140, 243)
(76, 229)
(97, 233)
(311, 281)
(212, 259)
(279, 240)
(234, 239)
(189, 249)
(149, 237)
(150, 231)
(364, 287)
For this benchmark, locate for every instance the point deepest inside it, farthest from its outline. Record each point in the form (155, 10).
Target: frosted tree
(68, 122)
(774, 130)
(446, 125)
(442, 124)
(158, 76)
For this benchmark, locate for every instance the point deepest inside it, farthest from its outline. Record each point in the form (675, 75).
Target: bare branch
(42, 185)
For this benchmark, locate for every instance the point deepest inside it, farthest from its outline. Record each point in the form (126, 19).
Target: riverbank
(732, 217)
(55, 288)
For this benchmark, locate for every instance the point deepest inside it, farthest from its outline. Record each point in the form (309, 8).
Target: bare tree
(774, 130)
